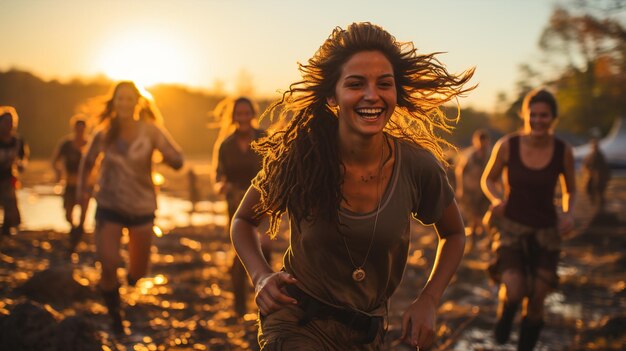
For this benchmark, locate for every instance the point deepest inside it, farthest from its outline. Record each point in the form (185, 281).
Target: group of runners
(357, 154)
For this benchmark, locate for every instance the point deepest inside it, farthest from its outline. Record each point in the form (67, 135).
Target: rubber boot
(113, 302)
(529, 334)
(503, 327)
(76, 235)
(6, 229)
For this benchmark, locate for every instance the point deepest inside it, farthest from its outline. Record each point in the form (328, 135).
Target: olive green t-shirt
(317, 256)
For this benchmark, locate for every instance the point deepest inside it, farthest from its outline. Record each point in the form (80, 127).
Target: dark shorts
(108, 215)
(282, 331)
(524, 249)
(532, 256)
(312, 325)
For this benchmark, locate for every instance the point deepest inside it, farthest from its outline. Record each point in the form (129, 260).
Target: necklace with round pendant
(358, 274)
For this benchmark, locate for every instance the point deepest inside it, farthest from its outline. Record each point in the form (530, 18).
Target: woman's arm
(458, 175)
(23, 155)
(493, 174)
(418, 322)
(56, 162)
(172, 153)
(267, 283)
(221, 184)
(87, 162)
(451, 244)
(568, 192)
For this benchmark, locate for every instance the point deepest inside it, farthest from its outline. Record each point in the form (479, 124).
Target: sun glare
(146, 58)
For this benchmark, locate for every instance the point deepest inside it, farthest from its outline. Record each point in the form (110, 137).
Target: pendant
(358, 274)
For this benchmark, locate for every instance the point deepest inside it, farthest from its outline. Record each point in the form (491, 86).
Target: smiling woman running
(527, 229)
(129, 133)
(356, 160)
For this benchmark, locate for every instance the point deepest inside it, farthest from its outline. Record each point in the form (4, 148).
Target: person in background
(598, 174)
(235, 166)
(129, 133)
(527, 227)
(65, 162)
(13, 159)
(468, 172)
(357, 158)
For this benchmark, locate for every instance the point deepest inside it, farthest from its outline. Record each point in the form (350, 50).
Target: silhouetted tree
(584, 47)
(590, 87)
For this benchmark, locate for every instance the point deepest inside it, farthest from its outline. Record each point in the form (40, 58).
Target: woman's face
(242, 116)
(125, 102)
(540, 119)
(365, 94)
(79, 128)
(481, 142)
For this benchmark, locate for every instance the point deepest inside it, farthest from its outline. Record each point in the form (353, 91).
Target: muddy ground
(48, 300)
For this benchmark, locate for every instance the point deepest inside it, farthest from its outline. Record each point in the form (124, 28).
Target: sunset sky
(201, 42)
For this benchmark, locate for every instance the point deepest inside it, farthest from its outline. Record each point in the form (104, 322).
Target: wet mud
(49, 300)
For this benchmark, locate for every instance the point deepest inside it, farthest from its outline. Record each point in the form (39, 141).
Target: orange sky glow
(218, 45)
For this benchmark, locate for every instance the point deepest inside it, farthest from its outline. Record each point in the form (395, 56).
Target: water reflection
(42, 209)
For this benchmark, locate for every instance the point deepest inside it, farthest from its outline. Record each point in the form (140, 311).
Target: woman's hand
(270, 295)
(418, 322)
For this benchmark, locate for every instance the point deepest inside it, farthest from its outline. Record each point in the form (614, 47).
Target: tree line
(45, 109)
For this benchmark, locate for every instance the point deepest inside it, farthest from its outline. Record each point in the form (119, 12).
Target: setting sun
(146, 58)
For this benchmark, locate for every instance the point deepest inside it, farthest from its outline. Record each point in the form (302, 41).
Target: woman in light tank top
(130, 132)
(525, 224)
(356, 159)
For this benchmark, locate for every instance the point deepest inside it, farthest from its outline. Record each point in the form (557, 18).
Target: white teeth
(369, 112)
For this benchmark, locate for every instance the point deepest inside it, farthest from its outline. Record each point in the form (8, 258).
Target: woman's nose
(371, 92)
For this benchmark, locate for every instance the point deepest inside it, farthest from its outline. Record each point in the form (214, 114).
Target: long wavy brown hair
(302, 166)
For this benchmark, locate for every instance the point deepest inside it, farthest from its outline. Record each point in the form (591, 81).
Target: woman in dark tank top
(531, 190)
(235, 164)
(526, 227)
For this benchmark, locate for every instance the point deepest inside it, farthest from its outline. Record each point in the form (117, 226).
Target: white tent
(613, 146)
